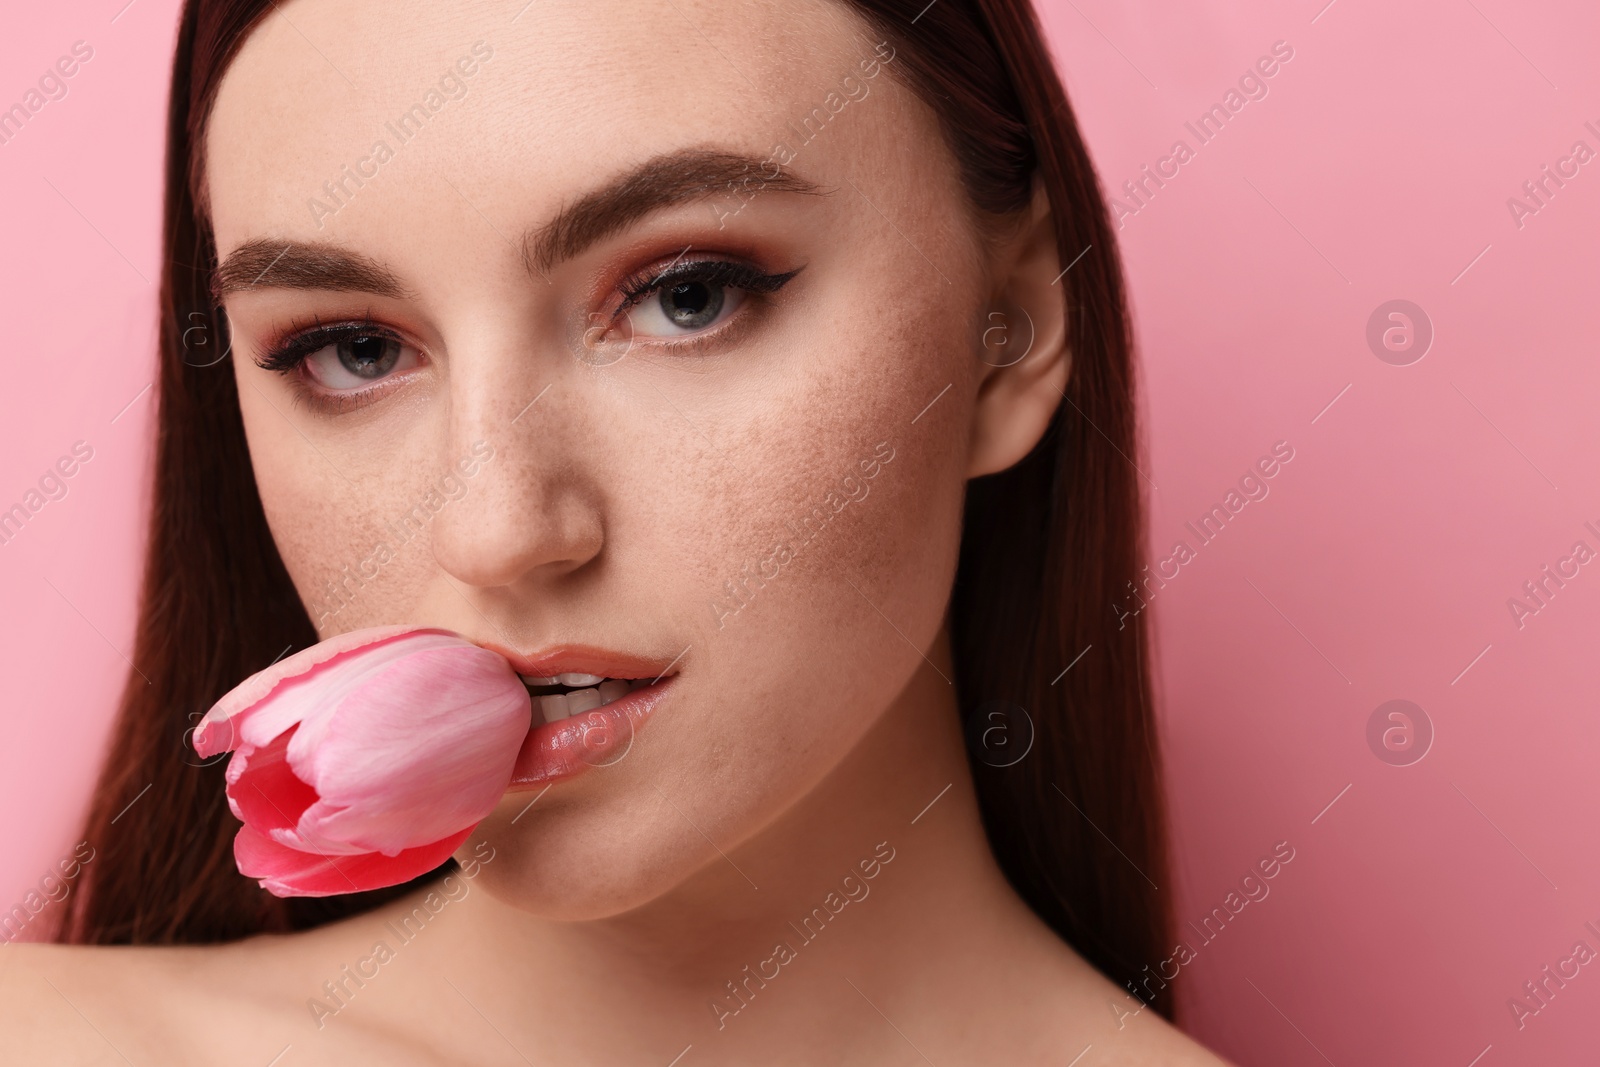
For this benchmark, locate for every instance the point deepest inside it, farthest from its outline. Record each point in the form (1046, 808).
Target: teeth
(531, 680)
(582, 700)
(554, 707)
(579, 679)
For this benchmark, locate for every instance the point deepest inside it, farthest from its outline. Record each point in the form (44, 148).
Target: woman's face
(750, 472)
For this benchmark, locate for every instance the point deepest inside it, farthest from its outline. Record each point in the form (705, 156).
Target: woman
(778, 347)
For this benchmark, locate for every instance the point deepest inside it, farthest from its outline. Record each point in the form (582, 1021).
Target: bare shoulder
(1111, 1027)
(110, 1004)
(243, 1001)
(1059, 1009)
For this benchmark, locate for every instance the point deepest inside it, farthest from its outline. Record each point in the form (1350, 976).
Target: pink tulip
(365, 760)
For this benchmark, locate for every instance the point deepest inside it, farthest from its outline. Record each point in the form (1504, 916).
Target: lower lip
(599, 737)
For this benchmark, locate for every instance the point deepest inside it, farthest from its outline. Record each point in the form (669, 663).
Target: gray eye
(368, 357)
(692, 305)
(360, 361)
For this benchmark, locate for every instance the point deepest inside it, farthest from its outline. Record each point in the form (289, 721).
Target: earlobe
(1022, 387)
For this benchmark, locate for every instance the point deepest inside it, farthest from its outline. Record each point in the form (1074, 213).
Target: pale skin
(810, 732)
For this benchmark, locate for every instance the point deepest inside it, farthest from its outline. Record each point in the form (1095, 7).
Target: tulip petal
(287, 872)
(264, 789)
(221, 728)
(367, 759)
(313, 698)
(416, 752)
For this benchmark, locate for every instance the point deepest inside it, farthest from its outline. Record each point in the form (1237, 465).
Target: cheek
(812, 602)
(793, 662)
(785, 551)
(343, 528)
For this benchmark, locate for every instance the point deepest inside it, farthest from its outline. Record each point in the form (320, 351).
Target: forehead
(369, 107)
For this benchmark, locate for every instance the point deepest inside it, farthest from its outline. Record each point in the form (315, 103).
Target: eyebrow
(659, 182)
(665, 180)
(303, 265)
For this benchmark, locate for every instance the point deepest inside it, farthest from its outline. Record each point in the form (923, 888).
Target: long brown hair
(1078, 825)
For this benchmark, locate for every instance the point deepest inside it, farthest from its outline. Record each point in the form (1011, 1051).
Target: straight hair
(1078, 825)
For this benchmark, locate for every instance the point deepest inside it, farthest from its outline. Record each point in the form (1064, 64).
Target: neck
(875, 876)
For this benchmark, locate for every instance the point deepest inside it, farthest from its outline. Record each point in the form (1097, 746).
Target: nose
(533, 510)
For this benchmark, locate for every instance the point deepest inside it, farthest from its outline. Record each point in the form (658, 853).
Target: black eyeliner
(288, 353)
(712, 271)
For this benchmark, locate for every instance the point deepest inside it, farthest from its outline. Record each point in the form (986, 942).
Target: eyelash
(636, 287)
(301, 339)
(289, 350)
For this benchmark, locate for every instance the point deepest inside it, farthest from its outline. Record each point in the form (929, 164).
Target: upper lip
(584, 659)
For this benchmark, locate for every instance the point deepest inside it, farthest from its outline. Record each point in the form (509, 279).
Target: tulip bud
(367, 759)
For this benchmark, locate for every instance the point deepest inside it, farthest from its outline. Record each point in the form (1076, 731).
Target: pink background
(1377, 167)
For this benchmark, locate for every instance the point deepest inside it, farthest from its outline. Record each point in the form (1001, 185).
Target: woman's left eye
(687, 306)
(689, 298)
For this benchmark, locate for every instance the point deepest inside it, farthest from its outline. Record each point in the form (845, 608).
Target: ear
(1024, 346)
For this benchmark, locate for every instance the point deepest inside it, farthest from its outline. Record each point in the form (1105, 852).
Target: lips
(589, 703)
(564, 695)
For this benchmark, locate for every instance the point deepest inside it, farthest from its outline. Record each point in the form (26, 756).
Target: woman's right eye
(359, 361)
(340, 360)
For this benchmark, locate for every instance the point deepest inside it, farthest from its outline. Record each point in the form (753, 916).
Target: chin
(570, 863)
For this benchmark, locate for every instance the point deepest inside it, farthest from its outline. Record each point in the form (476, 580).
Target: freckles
(901, 541)
(347, 564)
(892, 379)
